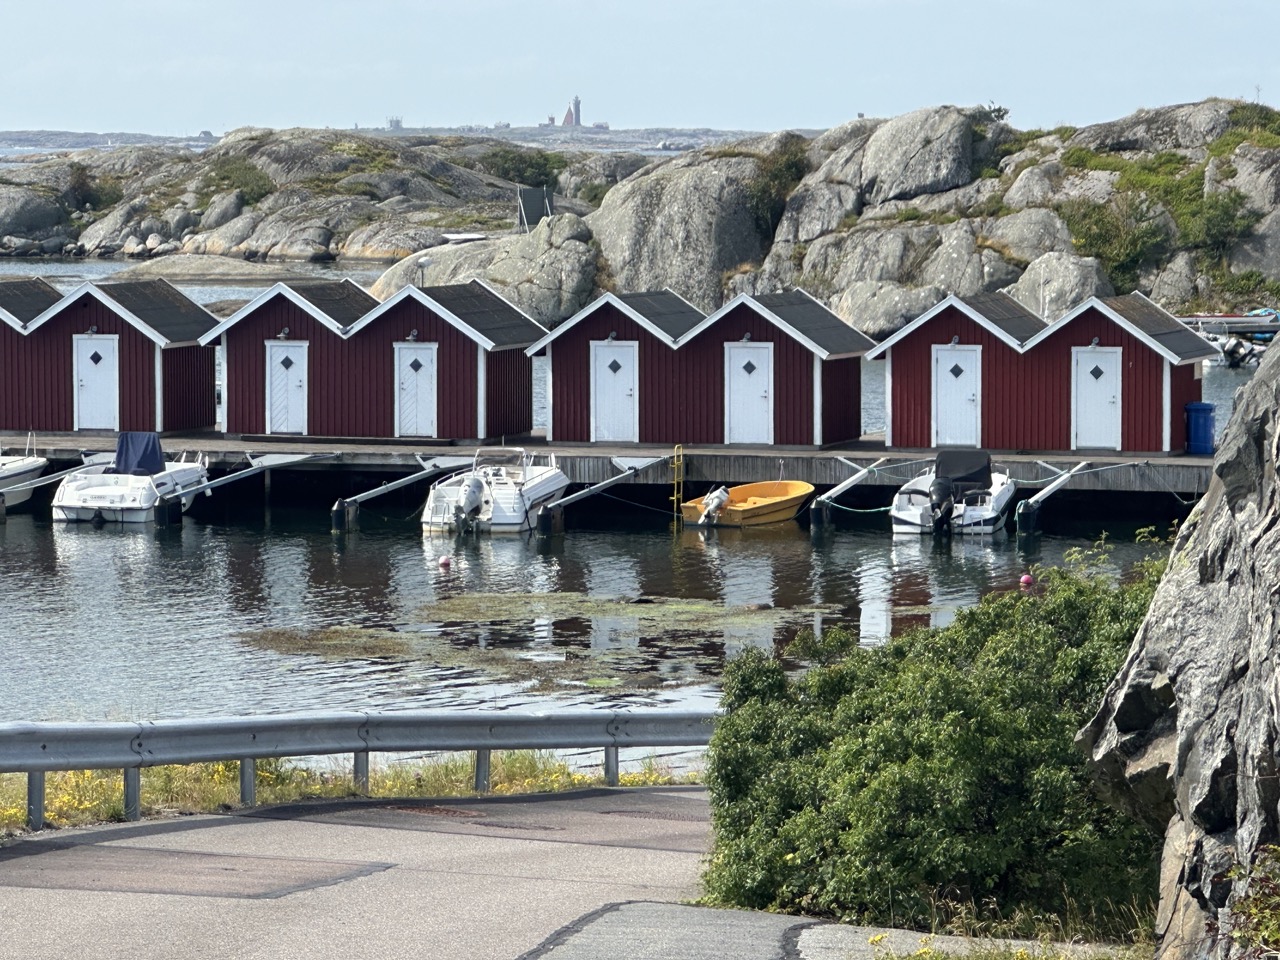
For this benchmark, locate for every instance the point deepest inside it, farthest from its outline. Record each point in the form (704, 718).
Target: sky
(178, 67)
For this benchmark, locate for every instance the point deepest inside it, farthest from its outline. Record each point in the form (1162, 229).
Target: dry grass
(78, 798)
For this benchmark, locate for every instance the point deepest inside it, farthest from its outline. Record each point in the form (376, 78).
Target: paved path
(592, 875)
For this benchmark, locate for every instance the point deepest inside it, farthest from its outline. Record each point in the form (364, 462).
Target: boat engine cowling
(470, 502)
(712, 504)
(942, 501)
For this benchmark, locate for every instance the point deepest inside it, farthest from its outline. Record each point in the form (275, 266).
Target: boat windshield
(499, 457)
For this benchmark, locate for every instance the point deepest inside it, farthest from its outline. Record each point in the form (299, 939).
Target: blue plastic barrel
(1200, 428)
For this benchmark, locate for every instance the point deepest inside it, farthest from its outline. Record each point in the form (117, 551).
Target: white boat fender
(713, 503)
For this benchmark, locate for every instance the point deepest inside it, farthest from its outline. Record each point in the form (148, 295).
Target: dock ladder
(677, 481)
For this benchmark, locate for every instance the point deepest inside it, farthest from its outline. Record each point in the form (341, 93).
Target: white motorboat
(501, 492)
(958, 494)
(15, 471)
(130, 486)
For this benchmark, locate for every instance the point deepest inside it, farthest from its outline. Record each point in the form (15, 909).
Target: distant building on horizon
(573, 116)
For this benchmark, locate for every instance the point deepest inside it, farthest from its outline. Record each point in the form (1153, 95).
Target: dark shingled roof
(341, 301)
(666, 311)
(811, 319)
(27, 299)
(1162, 327)
(165, 310)
(1007, 314)
(486, 313)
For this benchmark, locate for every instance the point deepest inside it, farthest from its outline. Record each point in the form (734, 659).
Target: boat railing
(37, 748)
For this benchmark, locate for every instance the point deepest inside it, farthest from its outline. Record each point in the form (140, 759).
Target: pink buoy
(1027, 580)
(445, 563)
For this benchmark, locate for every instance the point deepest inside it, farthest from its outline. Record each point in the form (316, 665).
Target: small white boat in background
(959, 494)
(15, 471)
(501, 492)
(129, 486)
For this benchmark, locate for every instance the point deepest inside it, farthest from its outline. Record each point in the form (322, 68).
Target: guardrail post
(35, 799)
(248, 782)
(482, 771)
(611, 766)
(132, 793)
(361, 759)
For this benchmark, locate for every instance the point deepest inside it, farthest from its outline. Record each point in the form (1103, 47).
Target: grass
(81, 797)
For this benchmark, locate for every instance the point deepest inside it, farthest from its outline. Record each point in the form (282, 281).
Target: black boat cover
(967, 467)
(138, 454)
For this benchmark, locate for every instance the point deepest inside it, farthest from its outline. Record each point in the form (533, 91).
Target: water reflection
(125, 622)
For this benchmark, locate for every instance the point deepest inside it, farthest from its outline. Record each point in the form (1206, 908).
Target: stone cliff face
(1187, 733)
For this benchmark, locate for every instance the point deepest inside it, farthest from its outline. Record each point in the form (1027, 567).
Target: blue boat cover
(138, 455)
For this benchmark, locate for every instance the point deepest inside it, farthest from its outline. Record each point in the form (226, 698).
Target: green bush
(778, 172)
(593, 193)
(85, 189)
(238, 173)
(532, 168)
(940, 766)
(1255, 917)
(1123, 234)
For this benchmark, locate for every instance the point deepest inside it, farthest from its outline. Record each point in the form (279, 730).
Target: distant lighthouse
(577, 112)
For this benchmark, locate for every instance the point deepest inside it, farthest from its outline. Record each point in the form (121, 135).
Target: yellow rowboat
(748, 505)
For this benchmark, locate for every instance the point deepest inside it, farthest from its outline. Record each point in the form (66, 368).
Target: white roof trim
(92, 290)
(11, 320)
(591, 308)
(951, 301)
(410, 292)
(1096, 303)
(279, 289)
(769, 315)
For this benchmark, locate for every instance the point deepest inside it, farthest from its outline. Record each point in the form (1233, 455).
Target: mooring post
(35, 799)
(132, 793)
(361, 765)
(2, 509)
(819, 513)
(550, 521)
(611, 766)
(482, 771)
(248, 782)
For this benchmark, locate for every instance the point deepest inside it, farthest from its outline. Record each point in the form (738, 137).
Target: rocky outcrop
(550, 273)
(682, 225)
(604, 170)
(1187, 734)
(1055, 282)
(926, 151)
(25, 213)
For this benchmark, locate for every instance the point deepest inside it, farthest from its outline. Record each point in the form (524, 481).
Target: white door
(748, 393)
(1095, 398)
(97, 381)
(957, 395)
(286, 386)
(615, 394)
(415, 389)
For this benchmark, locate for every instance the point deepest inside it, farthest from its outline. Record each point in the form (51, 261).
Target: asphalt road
(591, 875)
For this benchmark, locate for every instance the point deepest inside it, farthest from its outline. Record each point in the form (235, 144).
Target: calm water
(126, 624)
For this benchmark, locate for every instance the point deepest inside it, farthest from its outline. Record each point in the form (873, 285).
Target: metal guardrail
(37, 748)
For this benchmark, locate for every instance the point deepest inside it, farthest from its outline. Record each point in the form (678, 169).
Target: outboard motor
(470, 502)
(942, 500)
(712, 504)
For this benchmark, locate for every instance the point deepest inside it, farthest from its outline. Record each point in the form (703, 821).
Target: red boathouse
(114, 356)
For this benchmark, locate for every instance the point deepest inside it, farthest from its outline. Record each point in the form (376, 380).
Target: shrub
(238, 173)
(777, 174)
(1123, 234)
(85, 189)
(938, 766)
(532, 168)
(593, 193)
(1255, 917)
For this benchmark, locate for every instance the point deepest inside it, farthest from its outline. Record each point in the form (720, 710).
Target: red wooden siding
(38, 370)
(1184, 387)
(351, 383)
(189, 388)
(508, 393)
(1003, 415)
(841, 400)
(1141, 381)
(673, 409)
(1026, 399)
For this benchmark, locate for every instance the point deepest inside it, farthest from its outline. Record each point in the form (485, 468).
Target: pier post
(132, 793)
(35, 799)
(2, 510)
(344, 516)
(550, 521)
(819, 514)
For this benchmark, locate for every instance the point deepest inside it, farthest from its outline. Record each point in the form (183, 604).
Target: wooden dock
(703, 466)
